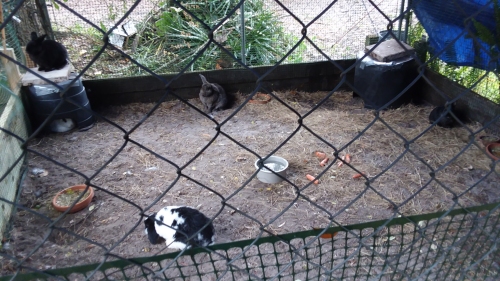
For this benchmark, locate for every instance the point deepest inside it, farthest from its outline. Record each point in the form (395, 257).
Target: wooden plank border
(311, 77)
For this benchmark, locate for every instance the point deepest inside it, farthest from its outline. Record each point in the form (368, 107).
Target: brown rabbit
(213, 96)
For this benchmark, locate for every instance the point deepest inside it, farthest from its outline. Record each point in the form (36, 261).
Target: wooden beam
(13, 119)
(310, 77)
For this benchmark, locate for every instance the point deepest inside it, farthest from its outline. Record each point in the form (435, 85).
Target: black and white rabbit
(213, 96)
(47, 54)
(445, 118)
(179, 218)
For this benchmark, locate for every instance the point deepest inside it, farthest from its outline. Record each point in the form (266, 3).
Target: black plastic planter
(44, 99)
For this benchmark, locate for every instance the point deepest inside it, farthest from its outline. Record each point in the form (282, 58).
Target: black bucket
(44, 98)
(377, 83)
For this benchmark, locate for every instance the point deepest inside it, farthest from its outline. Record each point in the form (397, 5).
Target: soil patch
(411, 167)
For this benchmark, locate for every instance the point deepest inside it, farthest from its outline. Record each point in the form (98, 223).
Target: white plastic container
(278, 164)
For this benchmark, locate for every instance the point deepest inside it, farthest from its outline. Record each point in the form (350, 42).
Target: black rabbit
(444, 118)
(213, 96)
(47, 54)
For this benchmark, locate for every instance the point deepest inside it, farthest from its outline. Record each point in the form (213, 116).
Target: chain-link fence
(269, 32)
(397, 198)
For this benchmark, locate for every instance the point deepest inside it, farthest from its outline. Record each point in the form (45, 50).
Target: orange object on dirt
(348, 158)
(326, 235)
(324, 162)
(320, 155)
(340, 163)
(357, 176)
(313, 179)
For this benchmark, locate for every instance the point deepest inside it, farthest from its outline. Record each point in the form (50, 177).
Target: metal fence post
(408, 20)
(400, 25)
(243, 39)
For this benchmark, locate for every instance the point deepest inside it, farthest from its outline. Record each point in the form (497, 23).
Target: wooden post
(11, 69)
(3, 29)
(12, 118)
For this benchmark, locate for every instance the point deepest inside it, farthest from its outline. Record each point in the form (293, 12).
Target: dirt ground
(136, 179)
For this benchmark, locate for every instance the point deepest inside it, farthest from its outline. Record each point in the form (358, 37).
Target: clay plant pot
(493, 150)
(78, 206)
(486, 140)
(260, 98)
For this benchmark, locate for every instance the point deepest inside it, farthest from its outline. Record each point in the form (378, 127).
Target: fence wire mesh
(142, 157)
(270, 31)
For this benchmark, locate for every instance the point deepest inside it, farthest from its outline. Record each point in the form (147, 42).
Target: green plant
(173, 38)
(90, 32)
(297, 56)
(489, 37)
(489, 82)
(415, 33)
(54, 3)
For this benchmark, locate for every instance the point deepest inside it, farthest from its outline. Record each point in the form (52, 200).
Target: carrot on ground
(340, 162)
(357, 176)
(324, 162)
(313, 179)
(320, 155)
(348, 158)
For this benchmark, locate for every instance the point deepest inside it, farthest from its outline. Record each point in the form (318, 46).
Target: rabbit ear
(203, 79)
(33, 36)
(215, 88)
(41, 38)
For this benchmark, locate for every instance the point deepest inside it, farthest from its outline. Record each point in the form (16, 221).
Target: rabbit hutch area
(176, 132)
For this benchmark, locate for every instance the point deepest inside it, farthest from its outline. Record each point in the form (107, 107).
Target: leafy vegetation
(173, 38)
(489, 81)
(490, 38)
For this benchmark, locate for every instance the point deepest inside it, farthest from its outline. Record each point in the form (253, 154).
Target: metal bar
(408, 20)
(243, 39)
(401, 11)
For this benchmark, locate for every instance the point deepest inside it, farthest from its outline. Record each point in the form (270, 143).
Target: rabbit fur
(444, 118)
(179, 218)
(213, 96)
(47, 54)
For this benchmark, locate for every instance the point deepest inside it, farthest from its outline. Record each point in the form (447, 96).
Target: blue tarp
(450, 28)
